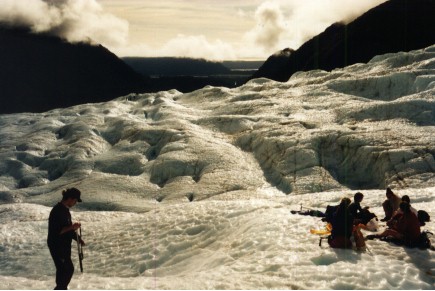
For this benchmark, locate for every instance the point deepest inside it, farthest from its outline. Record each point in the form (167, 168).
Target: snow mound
(366, 126)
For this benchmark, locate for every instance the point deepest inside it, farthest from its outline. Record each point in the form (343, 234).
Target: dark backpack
(423, 217)
(330, 210)
(424, 241)
(365, 216)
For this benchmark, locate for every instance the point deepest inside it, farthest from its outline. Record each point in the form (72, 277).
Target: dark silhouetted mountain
(41, 72)
(243, 65)
(276, 64)
(168, 66)
(396, 25)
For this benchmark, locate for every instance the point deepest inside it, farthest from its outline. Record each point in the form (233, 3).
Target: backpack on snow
(424, 241)
(423, 217)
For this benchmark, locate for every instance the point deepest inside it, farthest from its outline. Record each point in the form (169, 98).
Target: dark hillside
(243, 65)
(168, 66)
(187, 74)
(41, 72)
(396, 25)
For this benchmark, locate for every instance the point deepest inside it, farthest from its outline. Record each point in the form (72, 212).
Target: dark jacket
(342, 223)
(355, 209)
(60, 244)
(409, 225)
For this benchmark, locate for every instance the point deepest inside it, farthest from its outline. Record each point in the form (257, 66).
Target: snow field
(214, 244)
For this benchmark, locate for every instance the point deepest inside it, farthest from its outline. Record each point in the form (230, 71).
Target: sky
(210, 29)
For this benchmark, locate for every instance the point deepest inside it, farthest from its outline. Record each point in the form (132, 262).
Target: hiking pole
(80, 248)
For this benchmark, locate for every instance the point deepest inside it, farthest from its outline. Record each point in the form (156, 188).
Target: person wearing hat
(406, 230)
(61, 232)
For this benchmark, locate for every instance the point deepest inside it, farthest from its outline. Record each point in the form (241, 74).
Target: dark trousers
(64, 269)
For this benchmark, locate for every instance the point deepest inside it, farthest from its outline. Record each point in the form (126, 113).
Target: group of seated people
(348, 218)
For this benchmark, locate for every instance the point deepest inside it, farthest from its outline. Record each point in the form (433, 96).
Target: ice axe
(80, 248)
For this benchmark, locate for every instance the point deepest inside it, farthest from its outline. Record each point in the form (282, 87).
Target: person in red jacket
(407, 228)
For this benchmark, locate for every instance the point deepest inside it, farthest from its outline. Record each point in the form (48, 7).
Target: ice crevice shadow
(337, 160)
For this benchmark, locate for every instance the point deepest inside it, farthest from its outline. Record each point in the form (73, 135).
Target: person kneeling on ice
(406, 230)
(342, 226)
(61, 232)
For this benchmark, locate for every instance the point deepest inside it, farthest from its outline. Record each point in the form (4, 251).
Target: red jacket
(409, 226)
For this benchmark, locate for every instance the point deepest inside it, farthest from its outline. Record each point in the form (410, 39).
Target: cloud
(276, 24)
(305, 19)
(193, 46)
(261, 27)
(73, 20)
(290, 23)
(270, 25)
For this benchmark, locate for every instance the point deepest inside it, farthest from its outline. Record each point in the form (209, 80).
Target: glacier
(194, 191)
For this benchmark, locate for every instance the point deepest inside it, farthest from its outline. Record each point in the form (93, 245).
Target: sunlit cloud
(199, 29)
(193, 46)
(305, 19)
(289, 23)
(270, 25)
(73, 20)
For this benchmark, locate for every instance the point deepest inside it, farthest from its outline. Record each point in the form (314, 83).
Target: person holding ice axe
(61, 232)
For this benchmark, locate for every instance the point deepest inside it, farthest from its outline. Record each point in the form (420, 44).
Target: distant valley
(186, 74)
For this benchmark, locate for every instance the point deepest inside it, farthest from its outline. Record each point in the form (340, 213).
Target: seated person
(355, 207)
(342, 226)
(405, 198)
(390, 205)
(407, 228)
(398, 213)
(361, 215)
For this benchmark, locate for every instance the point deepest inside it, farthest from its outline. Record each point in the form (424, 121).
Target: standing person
(391, 204)
(61, 232)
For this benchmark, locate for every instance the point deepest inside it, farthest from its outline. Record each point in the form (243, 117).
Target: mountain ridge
(40, 72)
(396, 25)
